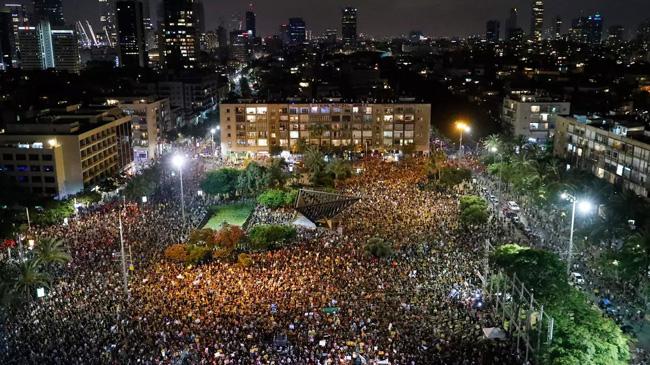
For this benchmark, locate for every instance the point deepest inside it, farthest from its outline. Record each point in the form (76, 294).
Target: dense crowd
(322, 300)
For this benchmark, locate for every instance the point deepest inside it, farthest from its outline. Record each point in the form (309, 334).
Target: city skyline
(381, 18)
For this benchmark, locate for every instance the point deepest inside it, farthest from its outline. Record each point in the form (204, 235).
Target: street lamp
(464, 128)
(213, 131)
(495, 150)
(178, 161)
(585, 207)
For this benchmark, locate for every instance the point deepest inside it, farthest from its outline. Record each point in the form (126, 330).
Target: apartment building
(533, 117)
(255, 128)
(615, 151)
(151, 117)
(61, 152)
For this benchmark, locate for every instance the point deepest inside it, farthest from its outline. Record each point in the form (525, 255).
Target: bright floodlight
(463, 126)
(585, 206)
(213, 131)
(493, 149)
(564, 196)
(178, 161)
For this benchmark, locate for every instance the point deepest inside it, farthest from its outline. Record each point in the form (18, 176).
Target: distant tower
(251, 28)
(558, 28)
(349, 25)
(297, 31)
(179, 35)
(511, 23)
(537, 21)
(107, 20)
(50, 10)
(492, 31)
(199, 15)
(131, 33)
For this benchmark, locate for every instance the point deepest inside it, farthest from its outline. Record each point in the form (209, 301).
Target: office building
(537, 21)
(251, 26)
(349, 25)
(180, 36)
(297, 31)
(512, 25)
(533, 117)
(65, 47)
(558, 28)
(199, 16)
(49, 10)
(61, 152)
(108, 22)
(222, 37)
(7, 40)
(150, 118)
(131, 33)
(19, 18)
(492, 31)
(255, 128)
(191, 96)
(616, 151)
(43, 48)
(587, 29)
(616, 34)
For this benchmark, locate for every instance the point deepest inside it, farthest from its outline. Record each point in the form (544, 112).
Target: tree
(221, 182)
(50, 251)
(452, 176)
(177, 252)
(29, 277)
(202, 237)
(228, 237)
(493, 142)
(341, 169)
(276, 175)
(268, 236)
(435, 163)
(378, 248)
(144, 184)
(252, 180)
(314, 161)
(272, 198)
(275, 150)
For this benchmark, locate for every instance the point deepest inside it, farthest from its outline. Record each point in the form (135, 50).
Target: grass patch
(232, 214)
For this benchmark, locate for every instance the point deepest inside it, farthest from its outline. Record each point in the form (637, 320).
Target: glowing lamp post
(178, 161)
(585, 207)
(463, 128)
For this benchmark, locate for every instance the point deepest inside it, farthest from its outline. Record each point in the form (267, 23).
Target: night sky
(394, 17)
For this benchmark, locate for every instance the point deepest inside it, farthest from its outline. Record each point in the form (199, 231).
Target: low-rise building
(615, 151)
(533, 117)
(256, 128)
(61, 152)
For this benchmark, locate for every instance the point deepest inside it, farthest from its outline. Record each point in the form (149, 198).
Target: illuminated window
(535, 109)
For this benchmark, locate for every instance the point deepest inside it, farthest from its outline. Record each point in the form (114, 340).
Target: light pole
(584, 207)
(495, 151)
(464, 128)
(178, 161)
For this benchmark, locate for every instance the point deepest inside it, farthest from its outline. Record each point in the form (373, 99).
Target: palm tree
(28, 278)
(317, 129)
(435, 164)
(493, 142)
(314, 160)
(340, 168)
(51, 251)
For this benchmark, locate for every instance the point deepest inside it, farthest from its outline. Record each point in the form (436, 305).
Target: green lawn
(232, 214)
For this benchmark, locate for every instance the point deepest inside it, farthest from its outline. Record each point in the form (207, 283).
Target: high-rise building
(180, 35)
(492, 31)
(297, 31)
(587, 29)
(251, 26)
(7, 40)
(643, 32)
(558, 28)
(131, 33)
(199, 16)
(616, 34)
(533, 117)
(222, 37)
(349, 25)
(50, 10)
(65, 48)
(43, 48)
(20, 18)
(512, 25)
(330, 35)
(537, 21)
(107, 20)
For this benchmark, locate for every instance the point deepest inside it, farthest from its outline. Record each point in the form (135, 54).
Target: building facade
(349, 25)
(255, 128)
(492, 31)
(537, 21)
(617, 154)
(43, 47)
(533, 117)
(131, 37)
(151, 117)
(61, 152)
(180, 38)
(50, 11)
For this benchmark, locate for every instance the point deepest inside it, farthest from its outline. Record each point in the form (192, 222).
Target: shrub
(202, 237)
(378, 248)
(244, 260)
(473, 210)
(290, 197)
(197, 254)
(228, 237)
(267, 236)
(177, 252)
(273, 198)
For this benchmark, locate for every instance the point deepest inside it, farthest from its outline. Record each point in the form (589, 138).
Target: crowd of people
(320, 300)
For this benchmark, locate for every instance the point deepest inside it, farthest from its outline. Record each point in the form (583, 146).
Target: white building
(533, 117)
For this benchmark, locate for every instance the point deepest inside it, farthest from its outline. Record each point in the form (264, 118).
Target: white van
(576, 279)
(513, 206)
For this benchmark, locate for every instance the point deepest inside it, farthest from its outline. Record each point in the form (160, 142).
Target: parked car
(576, 279)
